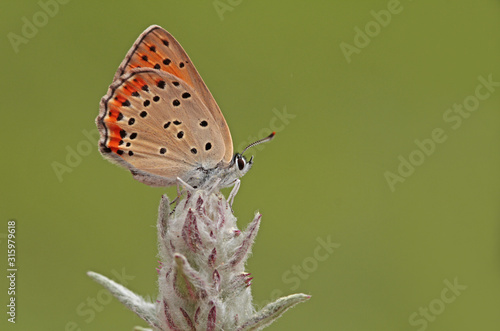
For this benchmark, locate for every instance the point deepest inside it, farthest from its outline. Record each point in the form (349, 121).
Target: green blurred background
(350, 116)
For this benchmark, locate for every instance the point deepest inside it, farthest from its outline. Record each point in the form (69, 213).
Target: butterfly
(160, 121)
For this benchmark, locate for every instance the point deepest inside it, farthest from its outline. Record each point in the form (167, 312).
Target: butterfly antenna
(263, 140)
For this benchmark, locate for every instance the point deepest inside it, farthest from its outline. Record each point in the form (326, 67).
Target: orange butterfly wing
(156, 48)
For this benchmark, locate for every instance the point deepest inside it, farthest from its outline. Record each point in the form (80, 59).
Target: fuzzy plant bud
(201, 275)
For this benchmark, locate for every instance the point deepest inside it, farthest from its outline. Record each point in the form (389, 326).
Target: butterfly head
(239, 166)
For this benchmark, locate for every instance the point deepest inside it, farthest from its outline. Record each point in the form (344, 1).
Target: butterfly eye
(241, 163)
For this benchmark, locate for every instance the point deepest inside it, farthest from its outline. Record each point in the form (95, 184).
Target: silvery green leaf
(272, 312)
(145, 310)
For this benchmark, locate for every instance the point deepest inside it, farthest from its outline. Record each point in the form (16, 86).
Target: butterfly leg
(179, 194)
(180, 190)
(232, 195)
(183, 183)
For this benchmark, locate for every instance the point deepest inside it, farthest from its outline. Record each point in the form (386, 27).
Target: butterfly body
(200, 176)
(160, 121)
